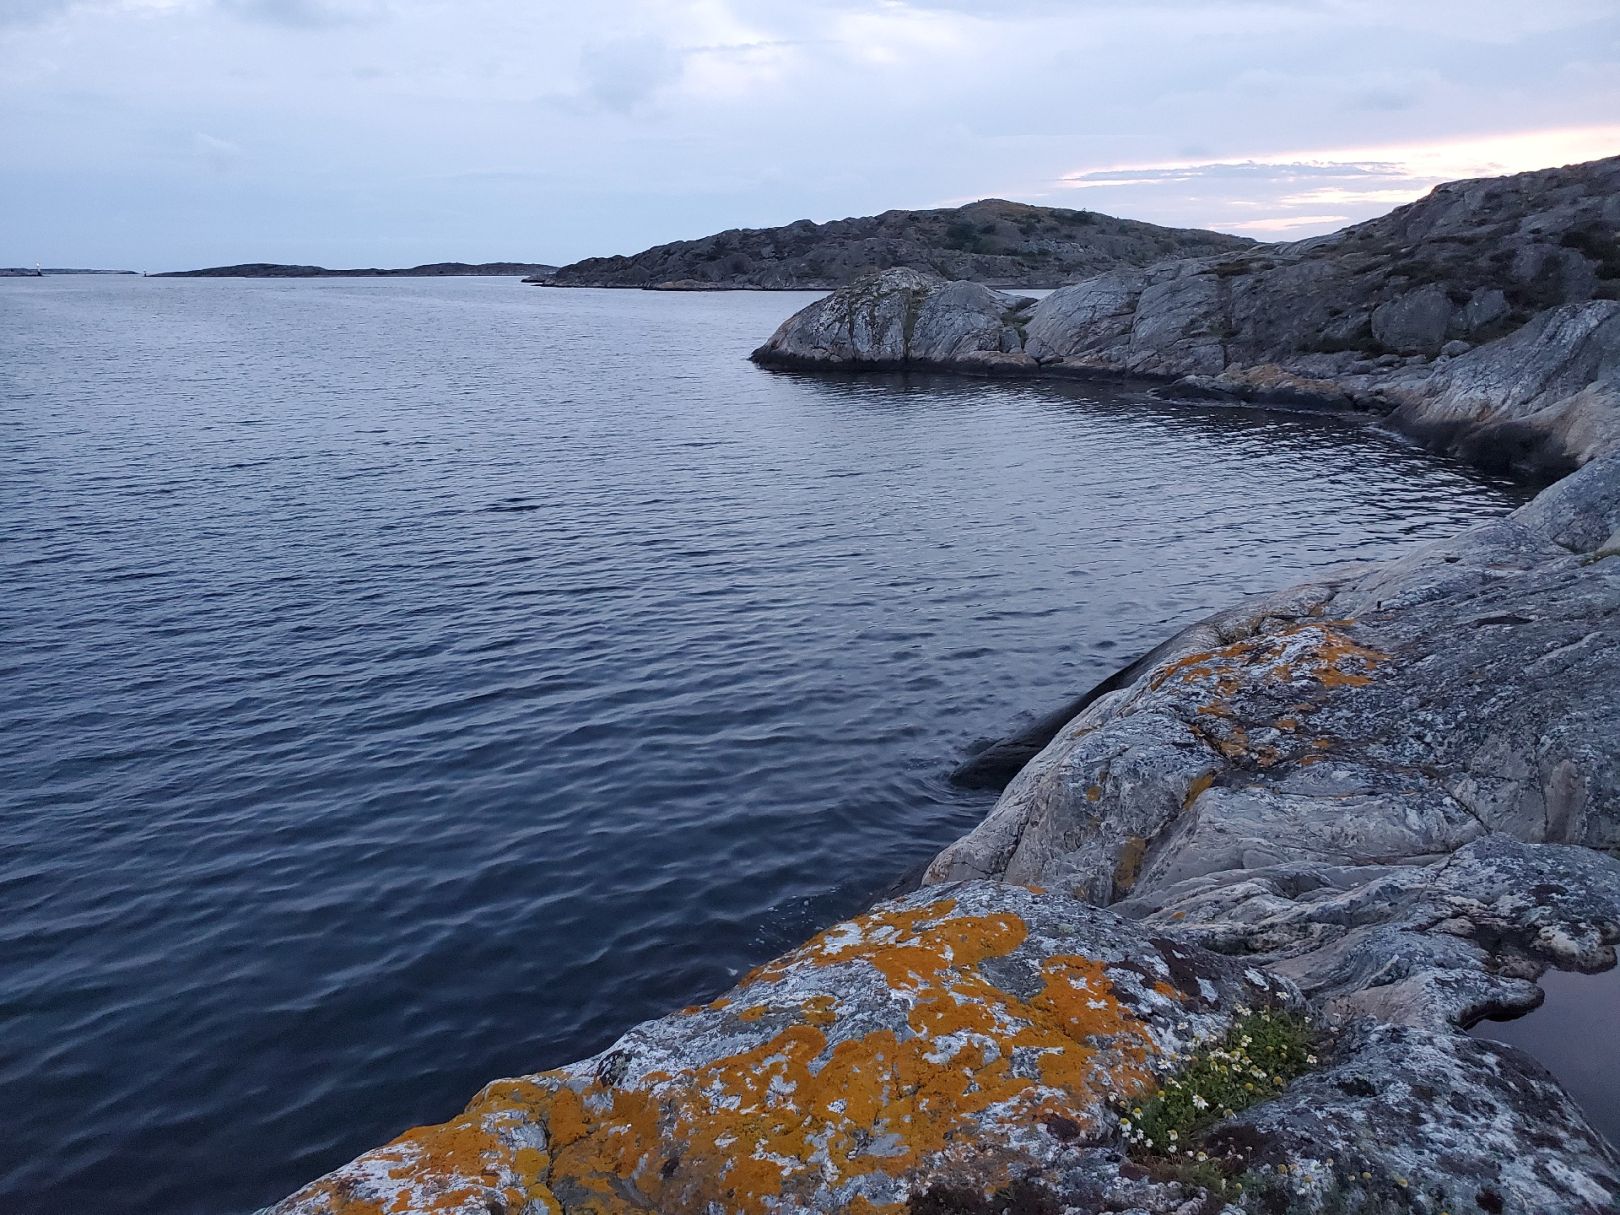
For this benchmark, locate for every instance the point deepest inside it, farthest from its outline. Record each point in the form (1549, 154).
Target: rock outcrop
(971, 1035)
(1486, 316)
(991, 241)
(905, 318)
(975, 1048)
(1378, 715)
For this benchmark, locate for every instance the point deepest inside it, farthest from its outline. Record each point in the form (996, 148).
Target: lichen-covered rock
(1385, 714)
(902, 318)
(971, 1036)
(1427, 1121)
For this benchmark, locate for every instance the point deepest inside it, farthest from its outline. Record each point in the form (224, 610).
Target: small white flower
(1199, 1102)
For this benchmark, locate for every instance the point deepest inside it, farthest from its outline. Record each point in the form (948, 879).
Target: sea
(407, 683)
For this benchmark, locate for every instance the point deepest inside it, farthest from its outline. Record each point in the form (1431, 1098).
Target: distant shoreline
(430, 270)
(48, 271)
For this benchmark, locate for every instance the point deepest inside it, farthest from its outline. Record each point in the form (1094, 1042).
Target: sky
(170, 134)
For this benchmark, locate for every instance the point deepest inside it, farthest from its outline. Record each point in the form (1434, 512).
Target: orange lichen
(1200, 785)
(1320, 652)
(1128, 865)
(441, 1169)
(799, 1109)
(746, 1124)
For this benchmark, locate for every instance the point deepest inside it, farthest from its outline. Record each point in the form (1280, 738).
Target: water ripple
(410, 683)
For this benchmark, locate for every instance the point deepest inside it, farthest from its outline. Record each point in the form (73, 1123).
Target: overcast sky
(164, 134)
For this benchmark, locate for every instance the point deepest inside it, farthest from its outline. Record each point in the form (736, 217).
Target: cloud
(1275, 224)
(300, 130)
(1363, 181)
(220, 155)
(307, 14)
(34, 12)
(626, 73)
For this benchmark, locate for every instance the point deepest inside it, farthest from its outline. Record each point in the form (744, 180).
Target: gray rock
(1556, 381)
(1441, 1122)
(1414, 323)
(1438, 945)
(902, 318)
(1524, 268)
(1266, 734)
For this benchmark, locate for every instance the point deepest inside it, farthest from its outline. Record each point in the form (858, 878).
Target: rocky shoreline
(1484, 319)
(1216, 947)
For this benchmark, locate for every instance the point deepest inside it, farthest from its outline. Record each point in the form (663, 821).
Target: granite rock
(1381, 714)
(966, 1038)
(1482, 317)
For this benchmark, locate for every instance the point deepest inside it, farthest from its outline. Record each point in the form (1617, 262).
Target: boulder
(902, 318)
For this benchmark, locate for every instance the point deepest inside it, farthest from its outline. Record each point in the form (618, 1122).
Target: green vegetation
(1260, 1054)
(964, 236)
(1169, 1133)
(1599, 244)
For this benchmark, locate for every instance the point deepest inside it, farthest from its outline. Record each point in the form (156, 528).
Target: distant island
(993, 241)
(432, 270)
(36, 272)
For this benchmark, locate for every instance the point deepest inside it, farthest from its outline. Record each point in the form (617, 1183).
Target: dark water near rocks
(408, 683)
(1573, 1035)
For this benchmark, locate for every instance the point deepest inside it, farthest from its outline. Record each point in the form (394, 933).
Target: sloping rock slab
(1386, 714)
(972, 1036)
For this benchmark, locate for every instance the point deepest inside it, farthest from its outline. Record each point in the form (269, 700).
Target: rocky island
(1486, 316)
(1216, 947)
(991, 241)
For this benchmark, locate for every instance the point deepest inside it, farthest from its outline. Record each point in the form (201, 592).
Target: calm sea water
(409, 683)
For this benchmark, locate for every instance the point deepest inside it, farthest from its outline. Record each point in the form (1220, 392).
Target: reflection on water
(1572, 1035)
(414, 682)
